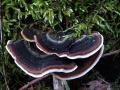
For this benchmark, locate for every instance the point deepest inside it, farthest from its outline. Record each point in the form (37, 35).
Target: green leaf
(66, 85)
(101, 18)
(68, 11)
(5, 2)
(102, 26)
(60, 16)
(31, 6)
(117, 12)
(108, 26)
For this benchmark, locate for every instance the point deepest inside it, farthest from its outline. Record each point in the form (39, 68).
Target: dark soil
(109, 67)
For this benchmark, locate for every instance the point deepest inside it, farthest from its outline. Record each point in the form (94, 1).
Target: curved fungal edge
(86, 71)
(54, 41)
(46, 72)
(26, 37)
(50, 53)
(77, 56)
(42, 48)
(38, 75)
(83, 56)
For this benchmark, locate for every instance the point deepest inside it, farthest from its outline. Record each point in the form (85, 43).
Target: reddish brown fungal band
(84, 66)
(37, 65)
(81, 47)
(28, 34)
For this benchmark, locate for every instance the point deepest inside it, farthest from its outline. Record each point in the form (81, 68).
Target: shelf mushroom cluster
(52, 53)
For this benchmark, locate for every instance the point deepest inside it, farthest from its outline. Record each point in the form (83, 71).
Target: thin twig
(111, 53)
(116, 41)
(108, 88)
(2, 50)
(33, 81)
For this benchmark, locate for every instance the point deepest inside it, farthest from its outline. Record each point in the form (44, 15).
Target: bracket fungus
(28, 34)
(84, 47)
(65, 58)
(37, 65)
(81, 47)
(52, 44)
(84, 66)
(46, 42)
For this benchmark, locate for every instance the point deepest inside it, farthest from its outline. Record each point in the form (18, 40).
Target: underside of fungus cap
(53, 44)
(84, 66)
(37, 65)
(84, 47)
(28, 34)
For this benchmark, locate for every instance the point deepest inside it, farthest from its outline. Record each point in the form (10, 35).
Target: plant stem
(111, 53)
(2, 49)
(58, 84)
(32, 82)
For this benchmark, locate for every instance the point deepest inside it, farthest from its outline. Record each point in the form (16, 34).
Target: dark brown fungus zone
(81, 47)
(37, 65)
(34, 49)
(84, 66)
(28, 34)
(84, 46)
(53, 44)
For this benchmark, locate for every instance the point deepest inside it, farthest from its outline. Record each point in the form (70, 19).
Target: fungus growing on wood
(37, 65)
(81, 47)
(84, 66)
